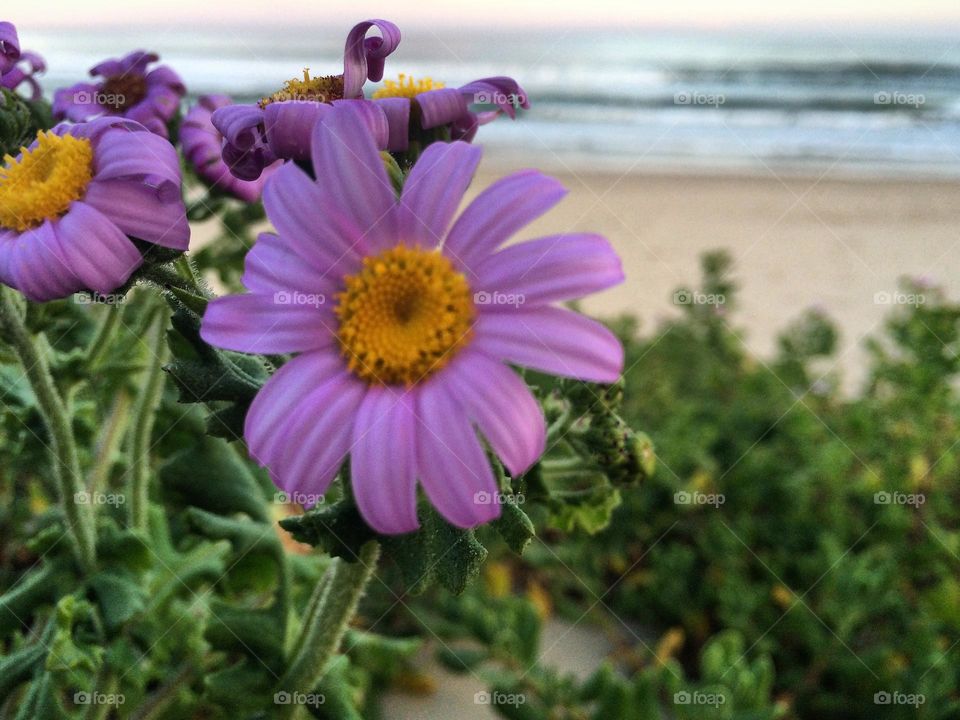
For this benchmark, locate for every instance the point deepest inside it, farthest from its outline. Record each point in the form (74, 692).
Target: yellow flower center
(324, 89)
(403, 316)
(42, 182)
(405, 86)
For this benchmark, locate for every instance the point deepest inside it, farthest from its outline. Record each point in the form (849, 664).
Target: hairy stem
(144, 415)
(81, 529)
(324, 627)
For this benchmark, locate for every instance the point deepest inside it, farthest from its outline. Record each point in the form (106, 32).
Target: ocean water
(772, 100)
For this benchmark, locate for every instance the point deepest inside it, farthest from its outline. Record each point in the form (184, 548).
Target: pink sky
(493, 12)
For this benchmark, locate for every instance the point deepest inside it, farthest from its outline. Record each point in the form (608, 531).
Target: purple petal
(503, 407)
(134, 63)
(239, 124)
(274, 265)
(9, 46)
(498, 212)
(165, 76)
(306, 217)
(97, 250)
(37, 267)
(266, 324)
(279, 398)
(554, 340)
(121, 153)
(454, 470)
(504, 92)
(441, 107)
(351, 172)
(317, 437)
(433, 191)
(397, 112)
(385, 491)
(139, 211)
(550, 269)
(373, 117)
(77, 103)
(289, 126)
(363, 57)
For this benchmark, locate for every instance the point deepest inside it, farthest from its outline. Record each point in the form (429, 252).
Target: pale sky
(709, 13)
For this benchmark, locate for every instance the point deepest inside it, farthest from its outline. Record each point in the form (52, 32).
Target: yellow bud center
(403, 316)
(42, 182)
(405, 86)
(324, 89)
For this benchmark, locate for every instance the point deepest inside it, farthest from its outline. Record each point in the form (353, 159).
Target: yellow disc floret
(405, 86)
(323, 89)
(403, 316)
(43, 181)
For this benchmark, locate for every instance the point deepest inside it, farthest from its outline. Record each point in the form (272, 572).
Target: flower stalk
(81, 529)
(333, 606)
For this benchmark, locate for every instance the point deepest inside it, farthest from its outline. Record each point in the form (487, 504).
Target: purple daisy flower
(18, 67)
(279, 126)
(405, 322)
(202, 146)
(127, 90)
(70, 203)
(412, 105)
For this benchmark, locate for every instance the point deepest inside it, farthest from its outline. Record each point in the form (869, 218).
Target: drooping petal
(275, 265)
(288, 126)
(554, 340)
(139, 211)
(383, 461)
(239, 124)
(433, 191)
(9, 46)
(308, 218)
(397, 112)
(76, 103)
(497, 213)
(318, 436)
(350, 170)
(280, 397)
(363, 57)
(372, 116)
(504, 92)
(266, 324)
(502, 406)
(38, 268)
(453, 468)
(97, 250)
(124, 153)
(441, 106)
(550, 269)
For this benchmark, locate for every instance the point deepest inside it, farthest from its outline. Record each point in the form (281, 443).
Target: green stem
(323, 629)
(81, 528)
(165, 277)
(102, 337)
(144, 415)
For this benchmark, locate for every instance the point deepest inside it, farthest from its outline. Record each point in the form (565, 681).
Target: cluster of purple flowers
(403, 317)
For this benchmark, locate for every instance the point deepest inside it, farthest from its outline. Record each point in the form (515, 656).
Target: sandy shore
(797, 242)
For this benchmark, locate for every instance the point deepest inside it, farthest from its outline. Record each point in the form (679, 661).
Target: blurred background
(806, 375)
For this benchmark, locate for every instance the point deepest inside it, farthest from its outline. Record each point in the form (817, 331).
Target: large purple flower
(279, 126)
(202, 146)
(414, 106)
(405, 323)
(18, 67)
(127, 90)
(70, 203)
